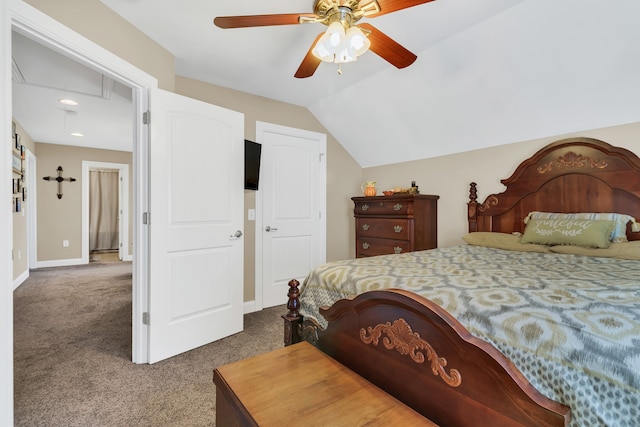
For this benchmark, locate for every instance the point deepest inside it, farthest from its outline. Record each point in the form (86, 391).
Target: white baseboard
(60, 263)
(20, 279)
(249, 306)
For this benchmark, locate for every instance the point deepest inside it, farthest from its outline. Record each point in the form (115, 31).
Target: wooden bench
(301, 385)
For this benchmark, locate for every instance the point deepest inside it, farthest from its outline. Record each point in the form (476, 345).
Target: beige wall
(449, 176)
(61, 219)
(20, 237)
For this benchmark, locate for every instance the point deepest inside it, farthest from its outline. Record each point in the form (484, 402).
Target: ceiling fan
(343, 40)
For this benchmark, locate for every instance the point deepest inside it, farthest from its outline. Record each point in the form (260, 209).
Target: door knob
(237, 234)
(268, 228)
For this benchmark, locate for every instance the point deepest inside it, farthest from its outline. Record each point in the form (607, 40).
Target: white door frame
(123, 206)
(32, 224)
(21, 17)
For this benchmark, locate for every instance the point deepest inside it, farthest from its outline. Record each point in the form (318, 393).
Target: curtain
(103, 210)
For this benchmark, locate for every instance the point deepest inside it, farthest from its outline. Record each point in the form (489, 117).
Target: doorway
(24, 19)
(118, 214)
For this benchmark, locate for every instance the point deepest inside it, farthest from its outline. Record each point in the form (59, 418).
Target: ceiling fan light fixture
(335, 35)
(357, 41)
(321, 52)
(340, 46)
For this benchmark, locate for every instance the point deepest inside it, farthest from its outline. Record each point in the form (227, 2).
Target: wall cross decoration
(58, 178)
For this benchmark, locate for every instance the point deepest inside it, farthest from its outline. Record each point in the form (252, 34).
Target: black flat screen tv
(252, 152)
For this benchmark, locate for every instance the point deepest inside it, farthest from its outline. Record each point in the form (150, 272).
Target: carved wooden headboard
(567, 176)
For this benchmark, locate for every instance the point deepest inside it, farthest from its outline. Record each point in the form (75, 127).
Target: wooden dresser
(301, 385)
(395, 224)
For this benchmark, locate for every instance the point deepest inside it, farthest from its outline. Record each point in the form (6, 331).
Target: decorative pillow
(579, 232)
(623, 250)
(505, 241)
(619, 233)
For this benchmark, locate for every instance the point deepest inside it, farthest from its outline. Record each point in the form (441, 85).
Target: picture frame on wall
(16, 163)
(24, 194)
(17, 142)
(15, 186)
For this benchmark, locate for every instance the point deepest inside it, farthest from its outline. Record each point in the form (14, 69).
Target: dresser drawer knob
(397, 206)
(365, 245)
(397, 249)
(397, 228)
(365, 207)
(365, 227)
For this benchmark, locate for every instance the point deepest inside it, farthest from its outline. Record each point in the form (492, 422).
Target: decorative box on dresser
(395, 224)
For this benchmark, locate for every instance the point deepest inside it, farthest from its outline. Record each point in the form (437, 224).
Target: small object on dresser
(388, 192)
(369, 188)
(414, 188)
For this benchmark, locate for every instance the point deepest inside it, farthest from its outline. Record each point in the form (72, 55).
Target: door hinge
(146, 117)
(320, 157)
(146, 218)
(145, 318)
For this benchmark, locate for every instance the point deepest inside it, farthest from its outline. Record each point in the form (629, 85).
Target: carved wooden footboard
(417, 352)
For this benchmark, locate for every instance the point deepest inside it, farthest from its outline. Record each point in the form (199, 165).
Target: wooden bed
(568, 176)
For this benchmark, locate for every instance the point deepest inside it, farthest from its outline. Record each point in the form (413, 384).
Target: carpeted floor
(72, 334)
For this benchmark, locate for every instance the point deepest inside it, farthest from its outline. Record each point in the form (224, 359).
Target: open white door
(196, 220)
(293, 194)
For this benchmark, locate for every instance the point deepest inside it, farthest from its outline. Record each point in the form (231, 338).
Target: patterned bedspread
(570, 323)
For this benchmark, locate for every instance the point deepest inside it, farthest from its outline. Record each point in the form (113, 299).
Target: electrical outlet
(65, 243)
(251, 215)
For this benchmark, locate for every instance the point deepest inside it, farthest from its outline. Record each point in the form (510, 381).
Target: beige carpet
(73, 366)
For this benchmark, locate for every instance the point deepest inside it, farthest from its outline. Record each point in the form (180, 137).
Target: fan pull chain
(339, 69)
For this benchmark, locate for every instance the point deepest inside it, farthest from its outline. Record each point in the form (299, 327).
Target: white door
(292, 194)
(196, 204)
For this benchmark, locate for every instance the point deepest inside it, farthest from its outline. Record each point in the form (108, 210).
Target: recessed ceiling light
(67, 101)
(78, 134)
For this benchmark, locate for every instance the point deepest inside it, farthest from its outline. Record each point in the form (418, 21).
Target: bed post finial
(292, 319)
(472, 207)
(294, 299)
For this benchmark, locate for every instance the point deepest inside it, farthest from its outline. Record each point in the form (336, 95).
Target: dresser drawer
(387, 206)
(389, 228)
(370, 246)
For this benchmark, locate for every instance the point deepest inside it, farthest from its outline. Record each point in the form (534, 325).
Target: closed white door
(196, 204)
(293, 203)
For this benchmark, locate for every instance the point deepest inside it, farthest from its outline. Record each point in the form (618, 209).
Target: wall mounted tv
(252, 151)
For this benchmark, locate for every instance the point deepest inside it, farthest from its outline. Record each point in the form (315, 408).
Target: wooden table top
(301, 385)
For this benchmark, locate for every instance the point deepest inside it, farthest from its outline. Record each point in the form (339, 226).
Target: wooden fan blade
(310, 63)
(260, 20)
(388, 6)
(387, 48)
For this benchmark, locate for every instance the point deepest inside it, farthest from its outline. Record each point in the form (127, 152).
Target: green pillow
(621, 250)
(505, 241)
(579, 232)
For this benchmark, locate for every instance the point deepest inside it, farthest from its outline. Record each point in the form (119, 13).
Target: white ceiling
(41, 77)
(489, 72)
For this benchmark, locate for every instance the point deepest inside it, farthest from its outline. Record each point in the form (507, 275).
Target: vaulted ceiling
(489, 72)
